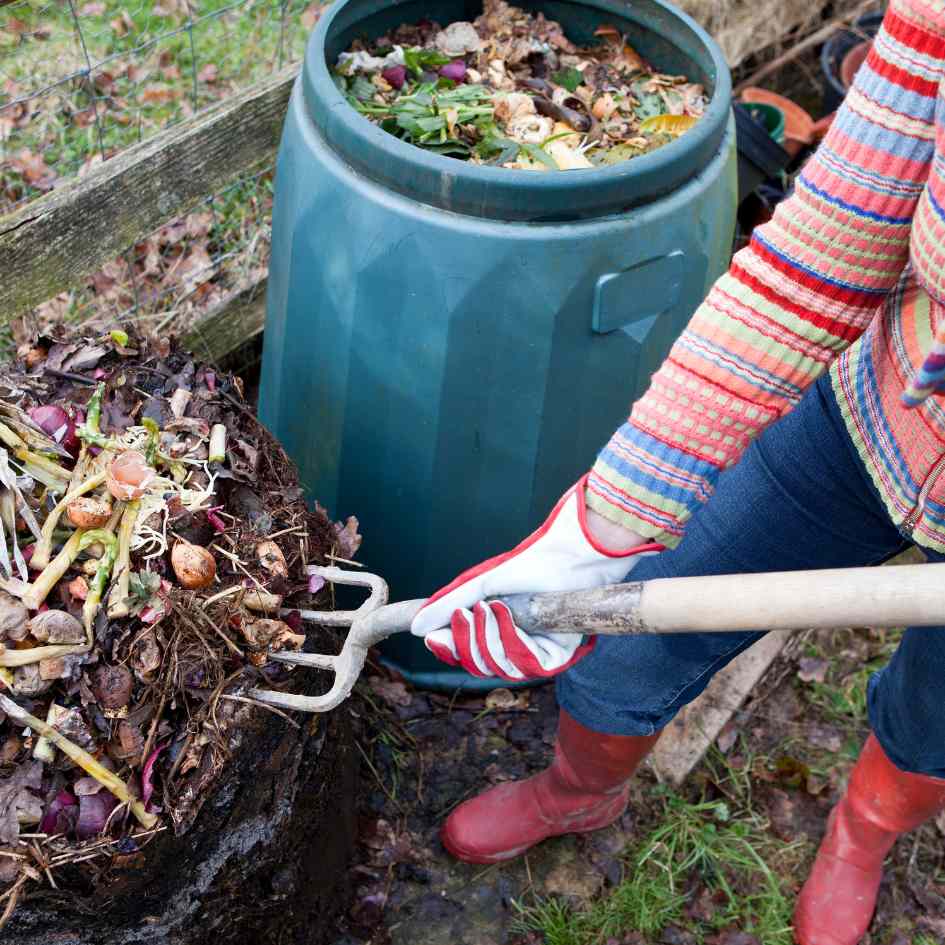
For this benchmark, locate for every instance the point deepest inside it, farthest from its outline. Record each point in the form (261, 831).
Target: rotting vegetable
(151, 535)
(511, 90)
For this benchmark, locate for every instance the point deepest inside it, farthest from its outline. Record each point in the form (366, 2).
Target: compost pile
(511, 90)
(154, 549)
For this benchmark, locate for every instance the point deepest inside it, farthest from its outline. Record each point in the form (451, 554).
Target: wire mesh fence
(80, 80)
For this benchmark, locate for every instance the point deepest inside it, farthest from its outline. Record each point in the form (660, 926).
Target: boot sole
(486, 859)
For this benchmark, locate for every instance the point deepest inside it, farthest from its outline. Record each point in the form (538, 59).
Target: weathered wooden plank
(51, 243)
(687, 738)
(230, 324)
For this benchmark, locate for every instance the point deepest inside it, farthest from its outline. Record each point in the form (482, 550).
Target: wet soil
(422, 754)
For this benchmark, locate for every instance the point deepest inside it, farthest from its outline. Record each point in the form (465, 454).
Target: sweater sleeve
(802, 291)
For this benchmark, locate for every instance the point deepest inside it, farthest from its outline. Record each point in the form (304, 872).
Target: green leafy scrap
(419, 60)
(568, 79)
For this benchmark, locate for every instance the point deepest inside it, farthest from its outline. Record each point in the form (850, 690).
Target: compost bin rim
(514, 195)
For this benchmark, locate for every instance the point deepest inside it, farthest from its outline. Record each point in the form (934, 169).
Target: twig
(13, 897)
(233, 648)
(67, 376)
(229, 592)
(285, 531)
(81, 757)
(334, 557)
(815, 38)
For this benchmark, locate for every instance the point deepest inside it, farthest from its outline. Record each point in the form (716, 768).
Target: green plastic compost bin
(448, 346)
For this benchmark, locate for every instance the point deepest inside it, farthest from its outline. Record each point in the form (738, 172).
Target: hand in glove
(460, 628)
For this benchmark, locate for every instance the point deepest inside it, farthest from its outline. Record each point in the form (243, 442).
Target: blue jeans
(799, 498)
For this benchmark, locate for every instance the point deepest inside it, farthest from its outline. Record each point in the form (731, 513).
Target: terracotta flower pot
(798, 124)
(852, 61)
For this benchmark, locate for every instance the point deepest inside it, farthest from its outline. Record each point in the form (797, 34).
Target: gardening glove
(463, 629)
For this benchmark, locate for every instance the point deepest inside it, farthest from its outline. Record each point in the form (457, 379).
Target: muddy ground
(791, 749)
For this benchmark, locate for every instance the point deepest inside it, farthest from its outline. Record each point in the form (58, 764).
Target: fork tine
(317, 660)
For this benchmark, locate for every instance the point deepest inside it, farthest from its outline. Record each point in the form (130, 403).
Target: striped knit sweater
(848, 276)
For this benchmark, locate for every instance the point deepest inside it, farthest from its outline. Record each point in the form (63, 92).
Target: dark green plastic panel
(445, 375)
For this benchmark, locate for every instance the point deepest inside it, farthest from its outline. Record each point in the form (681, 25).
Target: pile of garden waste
(511, 90)
(154, 549)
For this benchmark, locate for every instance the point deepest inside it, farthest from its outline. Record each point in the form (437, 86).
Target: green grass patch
(117, 72)
(718, 850)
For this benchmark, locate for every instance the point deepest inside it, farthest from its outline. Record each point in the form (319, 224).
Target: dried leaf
(826, 737)
(347, 537)
(505, 700)
(393, 693)
(667, 124)
(812, 669)
(208, 73)
(123, 24)
(146, 656)
(34, 170)
(158, 94)
(18, 803)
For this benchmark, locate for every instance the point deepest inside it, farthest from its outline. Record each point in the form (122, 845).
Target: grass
(719, 848)
(117, 71)
(841, 697)
(84, 79)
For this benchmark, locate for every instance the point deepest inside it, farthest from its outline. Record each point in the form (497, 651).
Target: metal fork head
(347, 665)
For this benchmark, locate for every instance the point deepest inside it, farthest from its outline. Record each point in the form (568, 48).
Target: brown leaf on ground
(393, 693)
(209, 73)
(123, 24)
(84, 118)
(727, 737)
(812, 669)
(781, 813)
(504, 699)
(826, 737)
(158, 94)
(197, 225)
(191, 269)
(33, 168)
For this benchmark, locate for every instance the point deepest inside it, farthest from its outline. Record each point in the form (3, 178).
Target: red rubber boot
(837, 902)
(586, 788)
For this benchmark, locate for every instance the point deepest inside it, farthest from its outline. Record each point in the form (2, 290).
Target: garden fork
(907, 595)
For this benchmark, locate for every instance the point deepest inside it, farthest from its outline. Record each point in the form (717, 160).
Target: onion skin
(395, 76)
(455, 70)
(56, 423)
(194, 566)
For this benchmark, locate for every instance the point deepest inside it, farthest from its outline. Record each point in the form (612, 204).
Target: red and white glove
(562, 555)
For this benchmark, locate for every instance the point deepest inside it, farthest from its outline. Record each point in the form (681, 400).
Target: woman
(845, 284)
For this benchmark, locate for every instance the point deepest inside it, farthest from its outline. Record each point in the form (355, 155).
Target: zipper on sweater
(909, 522)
